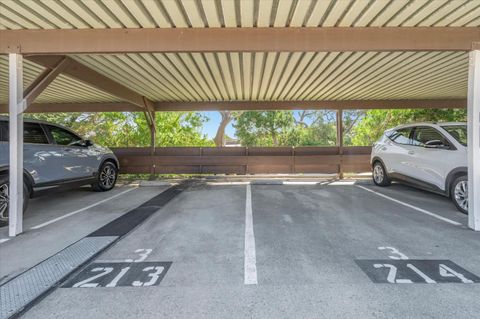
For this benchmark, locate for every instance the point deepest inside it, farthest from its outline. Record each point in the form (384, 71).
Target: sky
(210, 127)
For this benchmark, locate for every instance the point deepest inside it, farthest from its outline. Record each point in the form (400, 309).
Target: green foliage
(375, 122)
(116, 129)
(316, 128)
(286, 128)
(267, 128)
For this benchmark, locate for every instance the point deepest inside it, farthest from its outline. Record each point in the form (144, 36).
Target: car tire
(106, 178)
(4, 196)
(379, 174)
(459, 193)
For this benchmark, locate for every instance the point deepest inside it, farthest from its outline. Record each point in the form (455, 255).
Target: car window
(400, 136)
(63, 137)
(459, 132)
(3, 131)
(32, 133)
(425, 134)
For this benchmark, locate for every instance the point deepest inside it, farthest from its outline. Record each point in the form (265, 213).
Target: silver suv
(55, 156)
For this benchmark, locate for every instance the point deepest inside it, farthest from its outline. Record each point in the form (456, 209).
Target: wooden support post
(474, 141)
(19, 100)
(16, 108)
(340, 141)
(153, 138)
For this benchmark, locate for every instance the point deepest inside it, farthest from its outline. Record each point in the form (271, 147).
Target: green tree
(351, 118)
(123, 129)
(287, 128)
(316, 128)
(266, 128)
(375, 122)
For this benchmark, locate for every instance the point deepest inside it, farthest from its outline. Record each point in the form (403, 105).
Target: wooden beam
(78, 107)
(153, 138)
(339, 127)
(150, 113)
(245, 106)
(286, 39)
(43, 80)
(87, 75)
(310, 105)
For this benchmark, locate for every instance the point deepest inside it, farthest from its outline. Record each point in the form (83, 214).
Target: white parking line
(227, 183)
(82, 209)
(250, 264)
(3, 240)
(418, 209)
(299, 183)
(337, 183)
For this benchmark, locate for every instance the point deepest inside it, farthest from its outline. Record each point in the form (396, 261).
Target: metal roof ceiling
(84, 14)
(264, 76)
(287, 76)
(62, 89)
(252, 76)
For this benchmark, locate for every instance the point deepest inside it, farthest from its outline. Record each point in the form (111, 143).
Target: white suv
(431, 156)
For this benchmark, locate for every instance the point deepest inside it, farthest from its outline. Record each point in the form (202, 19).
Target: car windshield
(459, 132)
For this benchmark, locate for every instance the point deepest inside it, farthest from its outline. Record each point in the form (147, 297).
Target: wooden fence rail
(243, 160)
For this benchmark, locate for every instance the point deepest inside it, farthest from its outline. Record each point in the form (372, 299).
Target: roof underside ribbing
(251, 76)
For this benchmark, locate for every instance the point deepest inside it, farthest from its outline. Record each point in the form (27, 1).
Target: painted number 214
(443, 271)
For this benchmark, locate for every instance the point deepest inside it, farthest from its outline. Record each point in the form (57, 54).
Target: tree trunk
(220, 136)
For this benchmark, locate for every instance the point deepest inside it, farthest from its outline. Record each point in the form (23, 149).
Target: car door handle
(411, 152)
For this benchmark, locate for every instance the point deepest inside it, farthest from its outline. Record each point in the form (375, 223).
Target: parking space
(302, 249)
(56, 221)
(240, 247)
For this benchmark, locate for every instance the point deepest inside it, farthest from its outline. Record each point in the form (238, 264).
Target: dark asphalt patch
(120, 274)
(135, 217)
(415, 271)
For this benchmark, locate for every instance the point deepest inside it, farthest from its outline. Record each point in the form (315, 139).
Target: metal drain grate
(23, 289)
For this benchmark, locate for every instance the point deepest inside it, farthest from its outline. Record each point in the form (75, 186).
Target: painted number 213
(102, 277)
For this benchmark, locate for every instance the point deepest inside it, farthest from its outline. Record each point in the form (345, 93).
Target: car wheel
(107, 177)
(459, 193)
(4, 198)
(380, 177)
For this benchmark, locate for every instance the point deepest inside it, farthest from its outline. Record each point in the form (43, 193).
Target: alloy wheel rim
(378, 173)
(461, 194)
(4, 201)
(107, 176)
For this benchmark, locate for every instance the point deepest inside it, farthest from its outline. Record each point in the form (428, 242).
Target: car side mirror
(436, 144)
(83, 143)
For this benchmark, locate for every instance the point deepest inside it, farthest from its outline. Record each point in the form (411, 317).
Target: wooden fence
(243, 160)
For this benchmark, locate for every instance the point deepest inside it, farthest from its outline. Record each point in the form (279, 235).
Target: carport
(226, 55)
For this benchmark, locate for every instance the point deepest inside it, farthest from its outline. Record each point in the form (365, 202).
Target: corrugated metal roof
(287, 76)
(62, 89)
(264, 76)
(253, 76)
(84, 14)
